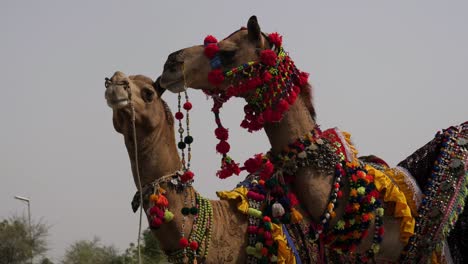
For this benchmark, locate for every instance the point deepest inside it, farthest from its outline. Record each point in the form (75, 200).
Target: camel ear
(253, 28)
(158, 87)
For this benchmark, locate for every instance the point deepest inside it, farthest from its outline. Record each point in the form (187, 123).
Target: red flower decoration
(253, 164)
(209, 39)
(268, 57)
(223, 147)
(275, 39)
(228, 168)
(221, 133)
(211, 50)
(216, 77)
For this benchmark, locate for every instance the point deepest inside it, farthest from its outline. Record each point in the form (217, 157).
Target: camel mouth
(117, 103)
(173, 82)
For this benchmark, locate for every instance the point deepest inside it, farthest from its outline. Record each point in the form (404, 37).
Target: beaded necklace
(444, 196)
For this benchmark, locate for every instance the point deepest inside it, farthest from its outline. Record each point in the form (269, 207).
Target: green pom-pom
(267, 226)
(188, 139)
(185, 211)
(181, 145)
(194, 210)
(168, 216)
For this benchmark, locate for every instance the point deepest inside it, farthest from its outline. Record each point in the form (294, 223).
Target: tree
(91, 252)
(151, 252)
(19, 243)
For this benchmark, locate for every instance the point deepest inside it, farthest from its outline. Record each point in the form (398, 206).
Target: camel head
(190, 67)
(145, 97)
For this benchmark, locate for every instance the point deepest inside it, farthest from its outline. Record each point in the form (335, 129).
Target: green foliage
(19, 243)
(91, 252)
(151, 252)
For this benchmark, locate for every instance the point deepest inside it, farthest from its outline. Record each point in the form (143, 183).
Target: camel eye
(147, 95)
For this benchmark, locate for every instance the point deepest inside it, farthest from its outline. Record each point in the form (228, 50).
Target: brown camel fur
(189, 67)
(158, 157)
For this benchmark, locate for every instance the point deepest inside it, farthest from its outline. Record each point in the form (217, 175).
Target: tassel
(277, 210)
(296, 217)
(168, 216)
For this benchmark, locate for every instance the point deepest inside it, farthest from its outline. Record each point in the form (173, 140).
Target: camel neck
(296, 122)
(157, 153)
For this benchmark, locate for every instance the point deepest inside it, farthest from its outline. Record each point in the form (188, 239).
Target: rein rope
(137, 167)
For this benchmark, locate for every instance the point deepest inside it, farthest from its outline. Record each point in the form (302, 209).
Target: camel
(158, 157)
(207, 67)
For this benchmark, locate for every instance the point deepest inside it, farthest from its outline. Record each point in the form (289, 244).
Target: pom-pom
(254, 212)
(264, 251)
(228, 168)
(268, 57)
(209, 39)
(266, 219)
(253, 164)
(258, 246)
(187, 176)
(221, 133)
(303, 78)
(223, 147)
(292, 97)
(187, 106)
(183, 242)
(168, 216)
(154, 198)
(216, 77)
(211, 50)
(194, 245)
(252, 229)
(276, 116)
(277, 210)
(188, 140)
(293, 201)
(156, 222)
(179, 115)
(267, 76)
(275, 39)
(283, 106)
(296, 216)
(185, 211)
(162, 201)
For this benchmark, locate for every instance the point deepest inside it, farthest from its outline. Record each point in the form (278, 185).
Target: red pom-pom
(223, 147)
(268, 57)
(276, 116)
(211, 50)
(216, 77)
(283, 106)
(245, 124)
(183, 242)
(252, 229)
(266, 219)
(187, 106)
(267, 76)
(268, 115)
(292, 97)
(221, 133)
(293, 199)
(187, 176)
(179, 115)
(267, 171)
(156, 222)
(209, 39)
(269, 242)
(260, 120)
(264, 251)
(275, 39)
(297, 89)
(303, 78)
(228, 168)
(194, 245)
(155, 211)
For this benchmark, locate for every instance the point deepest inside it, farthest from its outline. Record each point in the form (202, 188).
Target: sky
(392, 73)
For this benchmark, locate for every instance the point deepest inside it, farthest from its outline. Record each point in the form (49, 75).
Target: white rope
(137, 168)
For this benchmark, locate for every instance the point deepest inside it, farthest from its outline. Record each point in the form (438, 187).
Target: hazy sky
(390, 72)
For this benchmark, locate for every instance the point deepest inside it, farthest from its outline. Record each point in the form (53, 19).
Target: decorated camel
(211, 228)
(341, 194)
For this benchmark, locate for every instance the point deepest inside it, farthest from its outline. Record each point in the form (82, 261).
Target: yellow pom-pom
(168, 216)
(154, 198)
(296, 216)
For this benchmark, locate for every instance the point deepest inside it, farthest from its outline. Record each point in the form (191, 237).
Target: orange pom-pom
(154, 198)
(296, 216)
(162, 201)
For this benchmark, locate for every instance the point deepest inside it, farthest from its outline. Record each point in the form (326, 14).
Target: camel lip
(117, 103)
